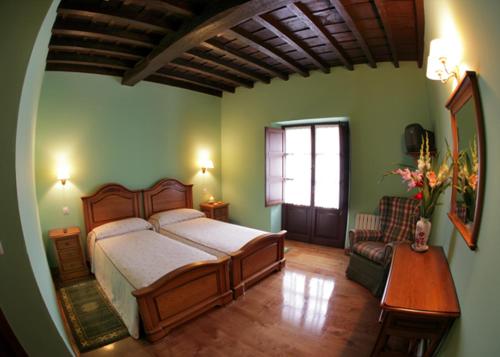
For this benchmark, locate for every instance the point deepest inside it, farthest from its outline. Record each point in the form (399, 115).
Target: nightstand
(69, 253)
(216, 210)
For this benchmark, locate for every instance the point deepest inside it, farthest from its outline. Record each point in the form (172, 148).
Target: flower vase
(422, 231)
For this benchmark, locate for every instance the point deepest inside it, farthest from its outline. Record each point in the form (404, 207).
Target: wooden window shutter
(275, 154)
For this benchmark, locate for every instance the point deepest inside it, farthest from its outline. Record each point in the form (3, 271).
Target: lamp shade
(437, 53)
(63, 173)
(207, 164)
(439, 49)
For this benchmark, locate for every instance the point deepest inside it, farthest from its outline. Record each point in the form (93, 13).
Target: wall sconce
(206, 164)
(439, 64)
(63, 173)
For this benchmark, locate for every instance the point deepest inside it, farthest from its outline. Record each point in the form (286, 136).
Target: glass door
(316, 183)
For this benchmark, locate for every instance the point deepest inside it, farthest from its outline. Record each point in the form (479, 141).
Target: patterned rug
(92, 319)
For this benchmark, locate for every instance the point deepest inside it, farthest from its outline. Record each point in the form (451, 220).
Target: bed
(144, 273)
(254, 254)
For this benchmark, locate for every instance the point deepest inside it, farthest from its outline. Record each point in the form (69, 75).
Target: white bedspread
(134, 260)
(143, 257)
(224, 237)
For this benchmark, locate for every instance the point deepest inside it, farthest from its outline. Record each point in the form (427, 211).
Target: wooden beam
(182, 84)
(89, 68)
(286, 35)
(94, 47)
(187, 77)
(380, 5)
(251, 61)
(162, 6)
(355, 31)
(94, 51)
(270, 51)
(314, 23)
(86, 60)
(118, 36)
(192, 37)
(85, 68)
(97, 16)
(228, 65)
(194, 67)
(420, 27)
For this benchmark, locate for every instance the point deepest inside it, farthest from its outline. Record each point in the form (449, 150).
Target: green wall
(473, 26)
(27, 295)
(108, 132)
(379, 104)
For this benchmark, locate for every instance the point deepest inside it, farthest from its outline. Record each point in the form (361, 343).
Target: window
(312, 155)
(298, 165)
(304, 165)
(327, 166)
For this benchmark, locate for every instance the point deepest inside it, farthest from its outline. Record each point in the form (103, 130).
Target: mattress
(219, 237)
(135, 260)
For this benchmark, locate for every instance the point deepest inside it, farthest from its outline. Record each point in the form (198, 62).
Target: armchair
(371, 249)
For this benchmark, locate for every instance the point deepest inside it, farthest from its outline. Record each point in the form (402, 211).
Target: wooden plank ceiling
(215, 46)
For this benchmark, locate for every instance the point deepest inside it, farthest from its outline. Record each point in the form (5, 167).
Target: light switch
(66, 210)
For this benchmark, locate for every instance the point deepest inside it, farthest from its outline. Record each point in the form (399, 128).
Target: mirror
(468, 158)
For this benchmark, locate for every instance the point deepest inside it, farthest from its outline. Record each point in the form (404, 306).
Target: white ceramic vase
(422, 231)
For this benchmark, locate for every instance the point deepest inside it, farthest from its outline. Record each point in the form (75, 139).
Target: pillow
(122, 226)
(175, 215)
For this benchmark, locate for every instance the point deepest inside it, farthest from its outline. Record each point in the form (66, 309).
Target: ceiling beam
(89, 68)
(355, 31)
(420, 27)
(251, 40)
(94, 51)
(249, 60)
(158, 78)
(187, 77)
(303, 13)
(107, 18)
(228, 65)
(380, 5)
(162, 6)
(93, 47)
(84, 32)
(286, 35)
(213, 72)
(64, 67)
(168, 50)
(82, 60)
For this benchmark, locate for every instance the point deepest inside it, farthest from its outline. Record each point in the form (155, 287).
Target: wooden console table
(419, 303)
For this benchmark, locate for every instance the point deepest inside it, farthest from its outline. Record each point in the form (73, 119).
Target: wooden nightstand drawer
(67, 243)
(221, 214)
(71, 265)
(69, 254)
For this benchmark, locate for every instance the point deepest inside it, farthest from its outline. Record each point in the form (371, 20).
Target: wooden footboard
(256, 260)
(182, 295)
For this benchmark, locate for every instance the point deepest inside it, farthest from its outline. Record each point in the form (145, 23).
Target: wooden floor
(308, 309)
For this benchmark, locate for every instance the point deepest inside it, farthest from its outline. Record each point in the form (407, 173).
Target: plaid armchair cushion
(398, 216)
(373, 250)
(358, 235)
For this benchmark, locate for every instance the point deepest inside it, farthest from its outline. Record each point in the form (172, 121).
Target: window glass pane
(298, 166)
(327, 180)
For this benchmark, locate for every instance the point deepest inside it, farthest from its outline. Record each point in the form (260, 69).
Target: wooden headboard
(167, 194)
(111, 202)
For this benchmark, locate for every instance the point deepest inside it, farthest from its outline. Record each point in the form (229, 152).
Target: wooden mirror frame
(467, 89)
